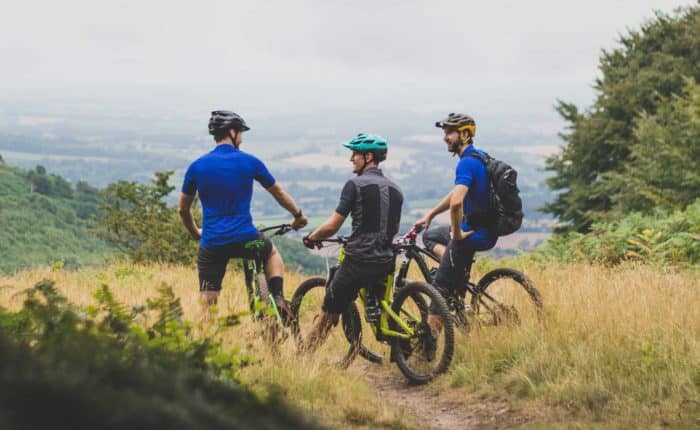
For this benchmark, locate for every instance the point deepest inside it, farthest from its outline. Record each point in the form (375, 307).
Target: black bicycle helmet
(224, 120)
(458, 121)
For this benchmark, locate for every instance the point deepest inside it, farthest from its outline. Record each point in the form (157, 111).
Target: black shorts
(436, 236)
(455, 265)
(211, 262)
(350, 277)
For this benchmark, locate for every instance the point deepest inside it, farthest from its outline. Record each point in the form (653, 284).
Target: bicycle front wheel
(506, 296)
(342, 346)
(266, 313)
(428, 352)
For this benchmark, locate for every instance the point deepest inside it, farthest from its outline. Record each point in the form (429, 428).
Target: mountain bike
(260, 301)
(399, 319)
(502, 296)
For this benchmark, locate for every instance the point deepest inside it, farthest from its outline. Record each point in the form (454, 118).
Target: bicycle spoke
(506, 297)
(427, 352)
(306, 305)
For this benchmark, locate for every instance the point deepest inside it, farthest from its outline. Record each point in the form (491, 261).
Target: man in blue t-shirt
(470, 196)
(223, 178)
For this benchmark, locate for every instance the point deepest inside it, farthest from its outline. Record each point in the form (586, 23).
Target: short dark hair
(379, 156)
(220, 135)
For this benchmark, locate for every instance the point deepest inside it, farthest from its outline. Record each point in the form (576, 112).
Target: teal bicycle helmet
(369, 143)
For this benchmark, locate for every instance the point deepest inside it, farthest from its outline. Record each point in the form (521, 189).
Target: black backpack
(505, 213)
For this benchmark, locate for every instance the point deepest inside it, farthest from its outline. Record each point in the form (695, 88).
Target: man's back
(223, 178)
(375, 204)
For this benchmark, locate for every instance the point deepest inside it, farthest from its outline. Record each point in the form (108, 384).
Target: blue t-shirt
(224, 180)
(471, 172)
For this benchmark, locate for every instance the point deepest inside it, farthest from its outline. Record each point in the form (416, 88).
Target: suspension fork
(250, 288)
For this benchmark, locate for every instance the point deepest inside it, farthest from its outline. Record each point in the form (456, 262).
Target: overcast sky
(306, 56)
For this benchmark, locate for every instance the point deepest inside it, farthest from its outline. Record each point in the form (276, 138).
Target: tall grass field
(618, 347)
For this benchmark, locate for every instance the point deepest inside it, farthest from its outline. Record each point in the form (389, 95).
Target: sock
(275, 286)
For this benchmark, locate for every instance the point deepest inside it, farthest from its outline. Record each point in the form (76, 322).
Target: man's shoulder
(203, 158)
(248, 157)
(469, 161)
(363, 180)
(393, 184)
(196, 163)
(212, 157)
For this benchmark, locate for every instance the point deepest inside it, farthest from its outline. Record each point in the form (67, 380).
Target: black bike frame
(413, 252)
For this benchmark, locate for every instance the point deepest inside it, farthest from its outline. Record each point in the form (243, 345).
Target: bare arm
(185, 211)
(328, 228)
(432, 213)
(286, 201)
(442, 206)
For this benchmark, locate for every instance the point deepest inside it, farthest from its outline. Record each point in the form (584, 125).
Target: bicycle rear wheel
(506, 296)
(342, 346)
(423, 356)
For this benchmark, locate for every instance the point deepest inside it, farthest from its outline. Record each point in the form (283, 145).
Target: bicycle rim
(422, 357)
(306, 307)
(506, 297)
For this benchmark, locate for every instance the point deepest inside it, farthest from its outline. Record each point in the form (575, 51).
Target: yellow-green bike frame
(382, 329)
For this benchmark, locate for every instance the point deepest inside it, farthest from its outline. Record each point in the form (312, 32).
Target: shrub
(100, 368)
(661, 238)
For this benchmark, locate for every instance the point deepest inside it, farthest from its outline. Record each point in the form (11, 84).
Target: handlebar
(280, 229)
(408, 238)
(412, 233)
(318, 244)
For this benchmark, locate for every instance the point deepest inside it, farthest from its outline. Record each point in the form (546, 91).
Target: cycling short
(436, 236)
(456, 262)
(350, 277)
(212, 261)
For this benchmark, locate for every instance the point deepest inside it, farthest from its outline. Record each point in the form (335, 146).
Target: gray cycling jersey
(374, 203)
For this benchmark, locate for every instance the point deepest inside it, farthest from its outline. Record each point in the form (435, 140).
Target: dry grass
(337, 397)
(620, 347)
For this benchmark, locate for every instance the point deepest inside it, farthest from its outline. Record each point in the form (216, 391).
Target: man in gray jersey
(375, 204)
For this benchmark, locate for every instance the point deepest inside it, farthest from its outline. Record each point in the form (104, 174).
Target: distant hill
(47, 220)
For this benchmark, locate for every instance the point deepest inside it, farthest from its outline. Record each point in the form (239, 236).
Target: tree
(40, 181)
(142, 224)
(662, 171)
(643, 74)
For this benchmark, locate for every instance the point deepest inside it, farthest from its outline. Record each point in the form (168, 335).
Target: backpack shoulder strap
(481, 157)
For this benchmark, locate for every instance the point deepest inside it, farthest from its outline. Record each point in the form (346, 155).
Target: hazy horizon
(307, 57)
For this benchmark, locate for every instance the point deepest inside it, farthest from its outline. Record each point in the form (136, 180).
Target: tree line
(636, 149)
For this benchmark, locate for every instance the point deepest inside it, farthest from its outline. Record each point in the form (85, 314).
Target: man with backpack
(476, 213)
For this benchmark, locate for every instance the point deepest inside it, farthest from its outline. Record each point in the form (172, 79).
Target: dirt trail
(433, 410)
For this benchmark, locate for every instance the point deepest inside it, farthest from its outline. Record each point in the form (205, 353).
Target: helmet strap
(468, 139)
(364, 166)
(234, 136)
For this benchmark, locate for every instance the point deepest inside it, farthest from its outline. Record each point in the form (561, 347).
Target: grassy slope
(621, 348)
(37, 229)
